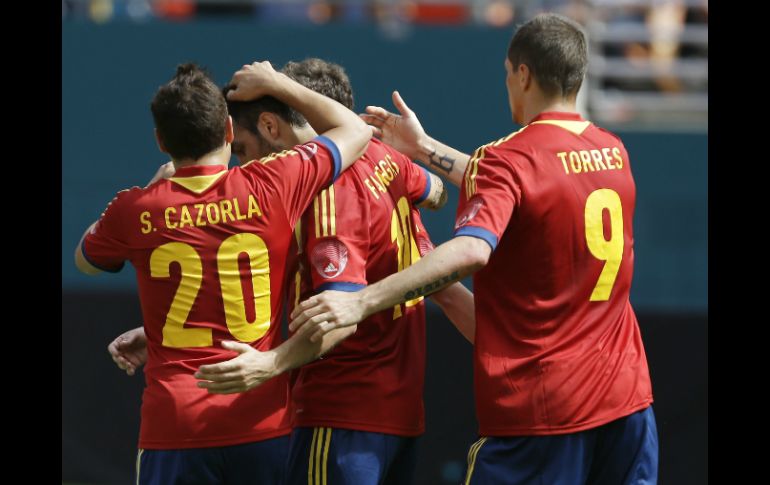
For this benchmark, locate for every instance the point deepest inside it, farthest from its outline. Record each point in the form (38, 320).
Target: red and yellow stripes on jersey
(473, 165)
(325, 213)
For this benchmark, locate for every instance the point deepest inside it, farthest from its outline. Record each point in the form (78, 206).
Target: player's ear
(268, 126)
(229, 135)
(525, 76)
(161, 146)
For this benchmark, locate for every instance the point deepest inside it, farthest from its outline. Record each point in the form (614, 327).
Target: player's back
(209, 247)
(359, 231)
(561, 275)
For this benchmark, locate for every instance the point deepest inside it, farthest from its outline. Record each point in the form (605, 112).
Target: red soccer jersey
(357, 232)
(209, 247)
(558, 348)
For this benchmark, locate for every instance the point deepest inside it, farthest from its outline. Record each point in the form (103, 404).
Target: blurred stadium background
(648, 82)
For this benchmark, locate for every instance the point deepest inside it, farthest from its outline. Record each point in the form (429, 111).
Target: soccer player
(208, 246)
(359, 230)
(562, 388)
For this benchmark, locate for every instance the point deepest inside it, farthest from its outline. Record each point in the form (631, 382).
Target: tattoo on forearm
(443, 162)
(431, 287)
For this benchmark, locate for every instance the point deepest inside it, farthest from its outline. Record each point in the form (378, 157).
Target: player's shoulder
(128, 195)
(304, 151)
(377, 150)
(514, 141)
(123, 199)
(608, 133)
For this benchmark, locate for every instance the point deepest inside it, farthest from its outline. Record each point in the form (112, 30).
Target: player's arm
(327, 117)
(82, 264)
(456, 301)
(436, 193)
(405, 133)
(252, 367)
(129, 350)
(449, 262)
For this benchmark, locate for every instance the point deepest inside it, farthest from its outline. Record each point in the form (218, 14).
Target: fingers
(401, 105)
(125, 365)
(112, 348)
(239, 347)
(220, 368)
(235, 377)
(222, 387)
(134, 360)
(299, 319)
(236, 94)
(376, 131)
(381, 113)
(372, 120)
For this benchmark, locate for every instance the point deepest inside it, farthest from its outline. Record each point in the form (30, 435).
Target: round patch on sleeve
(329, 258)
(471, 209)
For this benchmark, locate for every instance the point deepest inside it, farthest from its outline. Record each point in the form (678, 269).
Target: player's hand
(322, 313)
(253, 81)
(403, 132)
(246, 371)
(167, 170)
(129, 350)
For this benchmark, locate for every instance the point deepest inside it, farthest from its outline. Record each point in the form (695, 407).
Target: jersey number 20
(174, 332)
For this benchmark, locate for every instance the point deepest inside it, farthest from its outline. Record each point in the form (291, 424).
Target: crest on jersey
(471, 209)
(329, 258)
(307, 150)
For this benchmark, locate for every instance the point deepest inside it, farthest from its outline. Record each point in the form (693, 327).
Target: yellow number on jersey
(174, 332)
(609, 251)
(232, 287)
(401, 234)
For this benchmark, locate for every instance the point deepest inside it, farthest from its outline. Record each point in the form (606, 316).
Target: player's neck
(221, 156)
(305, 133)
(543, 105)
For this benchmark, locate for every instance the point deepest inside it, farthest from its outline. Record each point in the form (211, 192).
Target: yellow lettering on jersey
(608, 158)
(574, 161)
(169, 224)
(594, 160)
(238, 214)
(253, 207)
(586, 157)
(213, 216)
(369, 185)
(377, 183)
(616, 154)
(226, 208)
(199, 220)
(563, 157)
(387, 172)
(144, 219)
(185, 218)
(597, 156)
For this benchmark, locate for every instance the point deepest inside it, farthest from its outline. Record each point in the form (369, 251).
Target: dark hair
(246, 113)
(554, 48)
(322, 77)
(190, 113)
